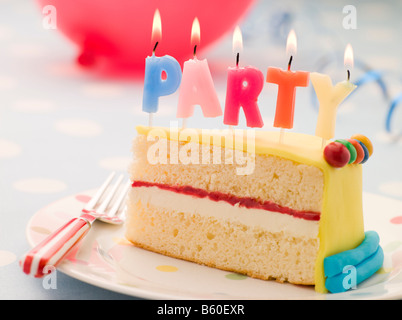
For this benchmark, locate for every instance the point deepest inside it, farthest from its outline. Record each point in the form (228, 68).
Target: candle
(154, 84)
(330, 97)
(243, 88)
(197, 87)
(287, 82)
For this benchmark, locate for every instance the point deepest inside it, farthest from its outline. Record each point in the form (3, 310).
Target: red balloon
(336, 154)
(118, 33)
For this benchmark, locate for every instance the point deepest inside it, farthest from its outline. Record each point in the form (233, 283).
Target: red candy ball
(336, 154)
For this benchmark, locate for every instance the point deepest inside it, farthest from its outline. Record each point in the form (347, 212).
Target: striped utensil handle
(52, 250)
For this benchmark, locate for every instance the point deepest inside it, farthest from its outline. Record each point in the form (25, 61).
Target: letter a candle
(243, 88)
(154, 85)
(330, 97)
(197, 87)
(287, 82)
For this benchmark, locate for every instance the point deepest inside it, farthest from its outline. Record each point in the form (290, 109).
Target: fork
(107, 205)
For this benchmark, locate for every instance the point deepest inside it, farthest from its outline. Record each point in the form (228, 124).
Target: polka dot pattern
(122, 241)
(392, 188)
(79, 128)
(9, 149)
(6, 32)
(396, 220)
(7, 83)
(235, 276)
(166, 268)
(115, 163)
(6, 258)
(39, 185)
(41, 230)
(34, 106)
(101, 90)
(26, 50)
(83, 198)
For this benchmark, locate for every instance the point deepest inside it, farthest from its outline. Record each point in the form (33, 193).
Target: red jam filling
(247, 202)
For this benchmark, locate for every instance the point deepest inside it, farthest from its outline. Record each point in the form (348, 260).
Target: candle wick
(348, 71)
(195, 50)
(290, 62)
(156, 44)
(237, 59)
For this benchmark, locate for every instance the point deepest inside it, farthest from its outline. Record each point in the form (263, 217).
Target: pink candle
(243, 88)
(287, 82)
(197, 87)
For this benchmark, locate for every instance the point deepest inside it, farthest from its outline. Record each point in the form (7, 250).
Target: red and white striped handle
(52, 250)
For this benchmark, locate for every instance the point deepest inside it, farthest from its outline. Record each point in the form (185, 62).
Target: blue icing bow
(349, 268)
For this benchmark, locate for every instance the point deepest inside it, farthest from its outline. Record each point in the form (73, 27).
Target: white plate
(107, 260)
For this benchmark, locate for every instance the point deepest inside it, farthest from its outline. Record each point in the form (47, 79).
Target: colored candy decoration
(366, 152)
(351, 149)
(349, 268)
(366, 142)
(336, 154)
(359, 150)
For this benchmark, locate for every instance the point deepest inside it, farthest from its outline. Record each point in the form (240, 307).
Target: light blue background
(43, 96)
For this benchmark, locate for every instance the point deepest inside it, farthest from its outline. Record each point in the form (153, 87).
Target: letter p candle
(154, 85)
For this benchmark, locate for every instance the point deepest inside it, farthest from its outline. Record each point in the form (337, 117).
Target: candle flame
(237, 40)
(195, 33)
(156, 27)
(348, 57)
(291, 44)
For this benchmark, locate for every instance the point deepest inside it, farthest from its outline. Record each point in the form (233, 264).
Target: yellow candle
(329, 98)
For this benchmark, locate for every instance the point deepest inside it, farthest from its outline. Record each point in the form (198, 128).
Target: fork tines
(110, 198)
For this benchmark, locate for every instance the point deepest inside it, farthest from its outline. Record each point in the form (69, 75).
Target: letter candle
(243, 88)
(287, 82)
(154, 85)
(197, 87)
(330, 97)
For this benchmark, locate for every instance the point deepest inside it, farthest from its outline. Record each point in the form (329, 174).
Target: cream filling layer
(270, 221)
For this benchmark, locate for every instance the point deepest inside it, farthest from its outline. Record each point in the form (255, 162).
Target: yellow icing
(341, 224)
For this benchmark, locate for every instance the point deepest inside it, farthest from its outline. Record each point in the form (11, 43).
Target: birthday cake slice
(249, 202)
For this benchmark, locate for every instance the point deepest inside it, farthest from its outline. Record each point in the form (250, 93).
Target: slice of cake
(244, 202)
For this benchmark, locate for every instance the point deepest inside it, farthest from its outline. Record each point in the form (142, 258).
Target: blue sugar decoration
(353, 275)
(334, 264)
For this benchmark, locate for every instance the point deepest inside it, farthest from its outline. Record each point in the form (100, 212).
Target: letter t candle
(287, 82)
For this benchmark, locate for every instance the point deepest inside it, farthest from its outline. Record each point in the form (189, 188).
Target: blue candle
(154, 85)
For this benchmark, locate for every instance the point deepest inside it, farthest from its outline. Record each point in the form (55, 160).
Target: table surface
(63, 129)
